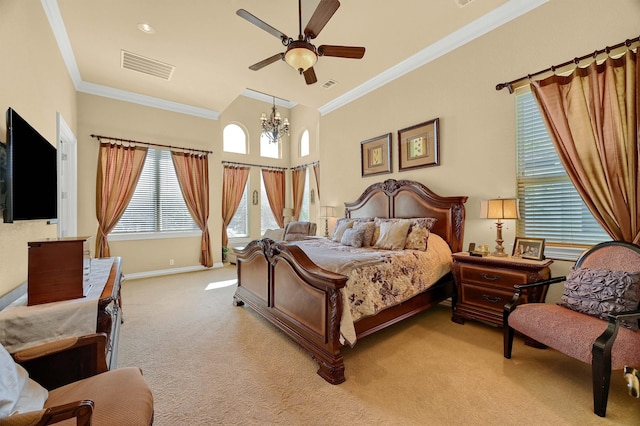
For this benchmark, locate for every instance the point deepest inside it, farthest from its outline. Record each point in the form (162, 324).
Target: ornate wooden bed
(281, 283)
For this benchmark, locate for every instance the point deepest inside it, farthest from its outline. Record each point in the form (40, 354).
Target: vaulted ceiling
(206, 49)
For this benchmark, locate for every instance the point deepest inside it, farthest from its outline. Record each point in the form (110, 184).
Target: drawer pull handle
(492, 299)
(490, 277)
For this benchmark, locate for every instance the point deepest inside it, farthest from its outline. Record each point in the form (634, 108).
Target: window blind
(550, 206)
(157, 204)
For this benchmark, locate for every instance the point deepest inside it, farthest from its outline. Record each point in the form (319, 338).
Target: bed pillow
(367, 227)
(597, 292)
(418, 235)
(352, 237)
(393, 234)
(341, 225)
(376, 230)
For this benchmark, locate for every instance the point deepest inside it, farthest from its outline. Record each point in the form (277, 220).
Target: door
(67, 179)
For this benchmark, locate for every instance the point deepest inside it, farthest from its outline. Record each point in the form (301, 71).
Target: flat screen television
(30, 173)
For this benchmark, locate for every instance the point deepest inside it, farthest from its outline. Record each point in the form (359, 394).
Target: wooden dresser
(59, 269)
(485, 284)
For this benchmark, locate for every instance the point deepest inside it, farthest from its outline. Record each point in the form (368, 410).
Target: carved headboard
(406, 199)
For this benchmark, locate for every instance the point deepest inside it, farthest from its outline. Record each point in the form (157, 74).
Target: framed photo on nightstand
(528, 248)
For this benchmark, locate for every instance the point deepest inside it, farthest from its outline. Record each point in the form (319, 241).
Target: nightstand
(485, 284)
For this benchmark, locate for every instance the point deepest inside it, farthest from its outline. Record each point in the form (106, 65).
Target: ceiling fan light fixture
(300, 57)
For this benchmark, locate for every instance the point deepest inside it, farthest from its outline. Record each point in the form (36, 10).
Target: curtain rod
(313, 163)
(233, 163)
(149, 143)
(575, 61)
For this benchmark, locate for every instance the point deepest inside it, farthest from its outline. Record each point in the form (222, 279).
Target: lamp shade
(299, 56)
(327, 211)
(287, 212)
(502, 208)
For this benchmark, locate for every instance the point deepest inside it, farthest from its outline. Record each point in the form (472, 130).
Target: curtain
(234, 180)
(274, 185)
(119, 169)
(192, 171)
(298, 177)
(316, 172)
(592, 117)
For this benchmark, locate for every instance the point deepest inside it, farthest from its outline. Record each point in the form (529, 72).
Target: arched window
(269, 149)
(234, 139)
(304, 144)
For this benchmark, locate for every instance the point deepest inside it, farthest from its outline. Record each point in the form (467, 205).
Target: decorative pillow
(352, 237)
(18, 393)
(341, 225)
(376, 230)
(367, 228)
(418, 236)
(597, 292)
(393, 234)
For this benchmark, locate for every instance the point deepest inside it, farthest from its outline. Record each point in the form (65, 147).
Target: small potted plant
(225, 250)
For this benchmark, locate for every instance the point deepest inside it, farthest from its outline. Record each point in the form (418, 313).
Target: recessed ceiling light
(146, 28)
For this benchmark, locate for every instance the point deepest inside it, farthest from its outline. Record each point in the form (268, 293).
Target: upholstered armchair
(294, 231)
(596, 320)
(97, 397)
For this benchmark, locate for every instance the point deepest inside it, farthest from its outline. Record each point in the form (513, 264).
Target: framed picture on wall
(418, 145)
(528, 248)
(375, 155)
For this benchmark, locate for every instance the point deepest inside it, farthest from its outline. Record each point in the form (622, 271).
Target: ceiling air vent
(463, 3)
(131, 61)
(328, 84)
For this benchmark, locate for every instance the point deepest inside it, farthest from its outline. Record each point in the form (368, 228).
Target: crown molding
(136, 98)
(52, 12)
(492, 20)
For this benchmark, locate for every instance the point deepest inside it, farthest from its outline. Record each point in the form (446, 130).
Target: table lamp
(287, 214)
(500, 208)
(325, 213)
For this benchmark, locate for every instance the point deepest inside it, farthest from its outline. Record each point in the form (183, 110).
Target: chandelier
(274, 127)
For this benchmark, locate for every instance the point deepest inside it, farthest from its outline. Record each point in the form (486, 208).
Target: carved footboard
(303, 300)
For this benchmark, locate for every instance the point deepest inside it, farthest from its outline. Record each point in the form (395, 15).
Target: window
(269, 149)
(304, 213)
(239, 225)
(157, 204)
(267, 220)
(304, 144)
(234, 139)
(550, 206)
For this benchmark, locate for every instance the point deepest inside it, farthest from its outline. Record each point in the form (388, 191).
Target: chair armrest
(624, 315)
(601, 348)
(64, 361)
(511, 305)
(81, 410)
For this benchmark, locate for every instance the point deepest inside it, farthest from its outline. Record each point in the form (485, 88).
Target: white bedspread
(23, 326)
(378, 279)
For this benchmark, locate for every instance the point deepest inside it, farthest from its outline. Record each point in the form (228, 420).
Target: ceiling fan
(301, 54)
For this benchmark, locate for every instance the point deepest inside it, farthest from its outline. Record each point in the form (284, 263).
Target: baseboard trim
(172, 271)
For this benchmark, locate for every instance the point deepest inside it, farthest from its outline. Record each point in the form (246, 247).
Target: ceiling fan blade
(341, 51)
(310, 76)
(265, 62)
(261, 24)
(320, 17)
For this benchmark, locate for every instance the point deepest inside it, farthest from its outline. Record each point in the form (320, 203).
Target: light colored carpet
(211, 363)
